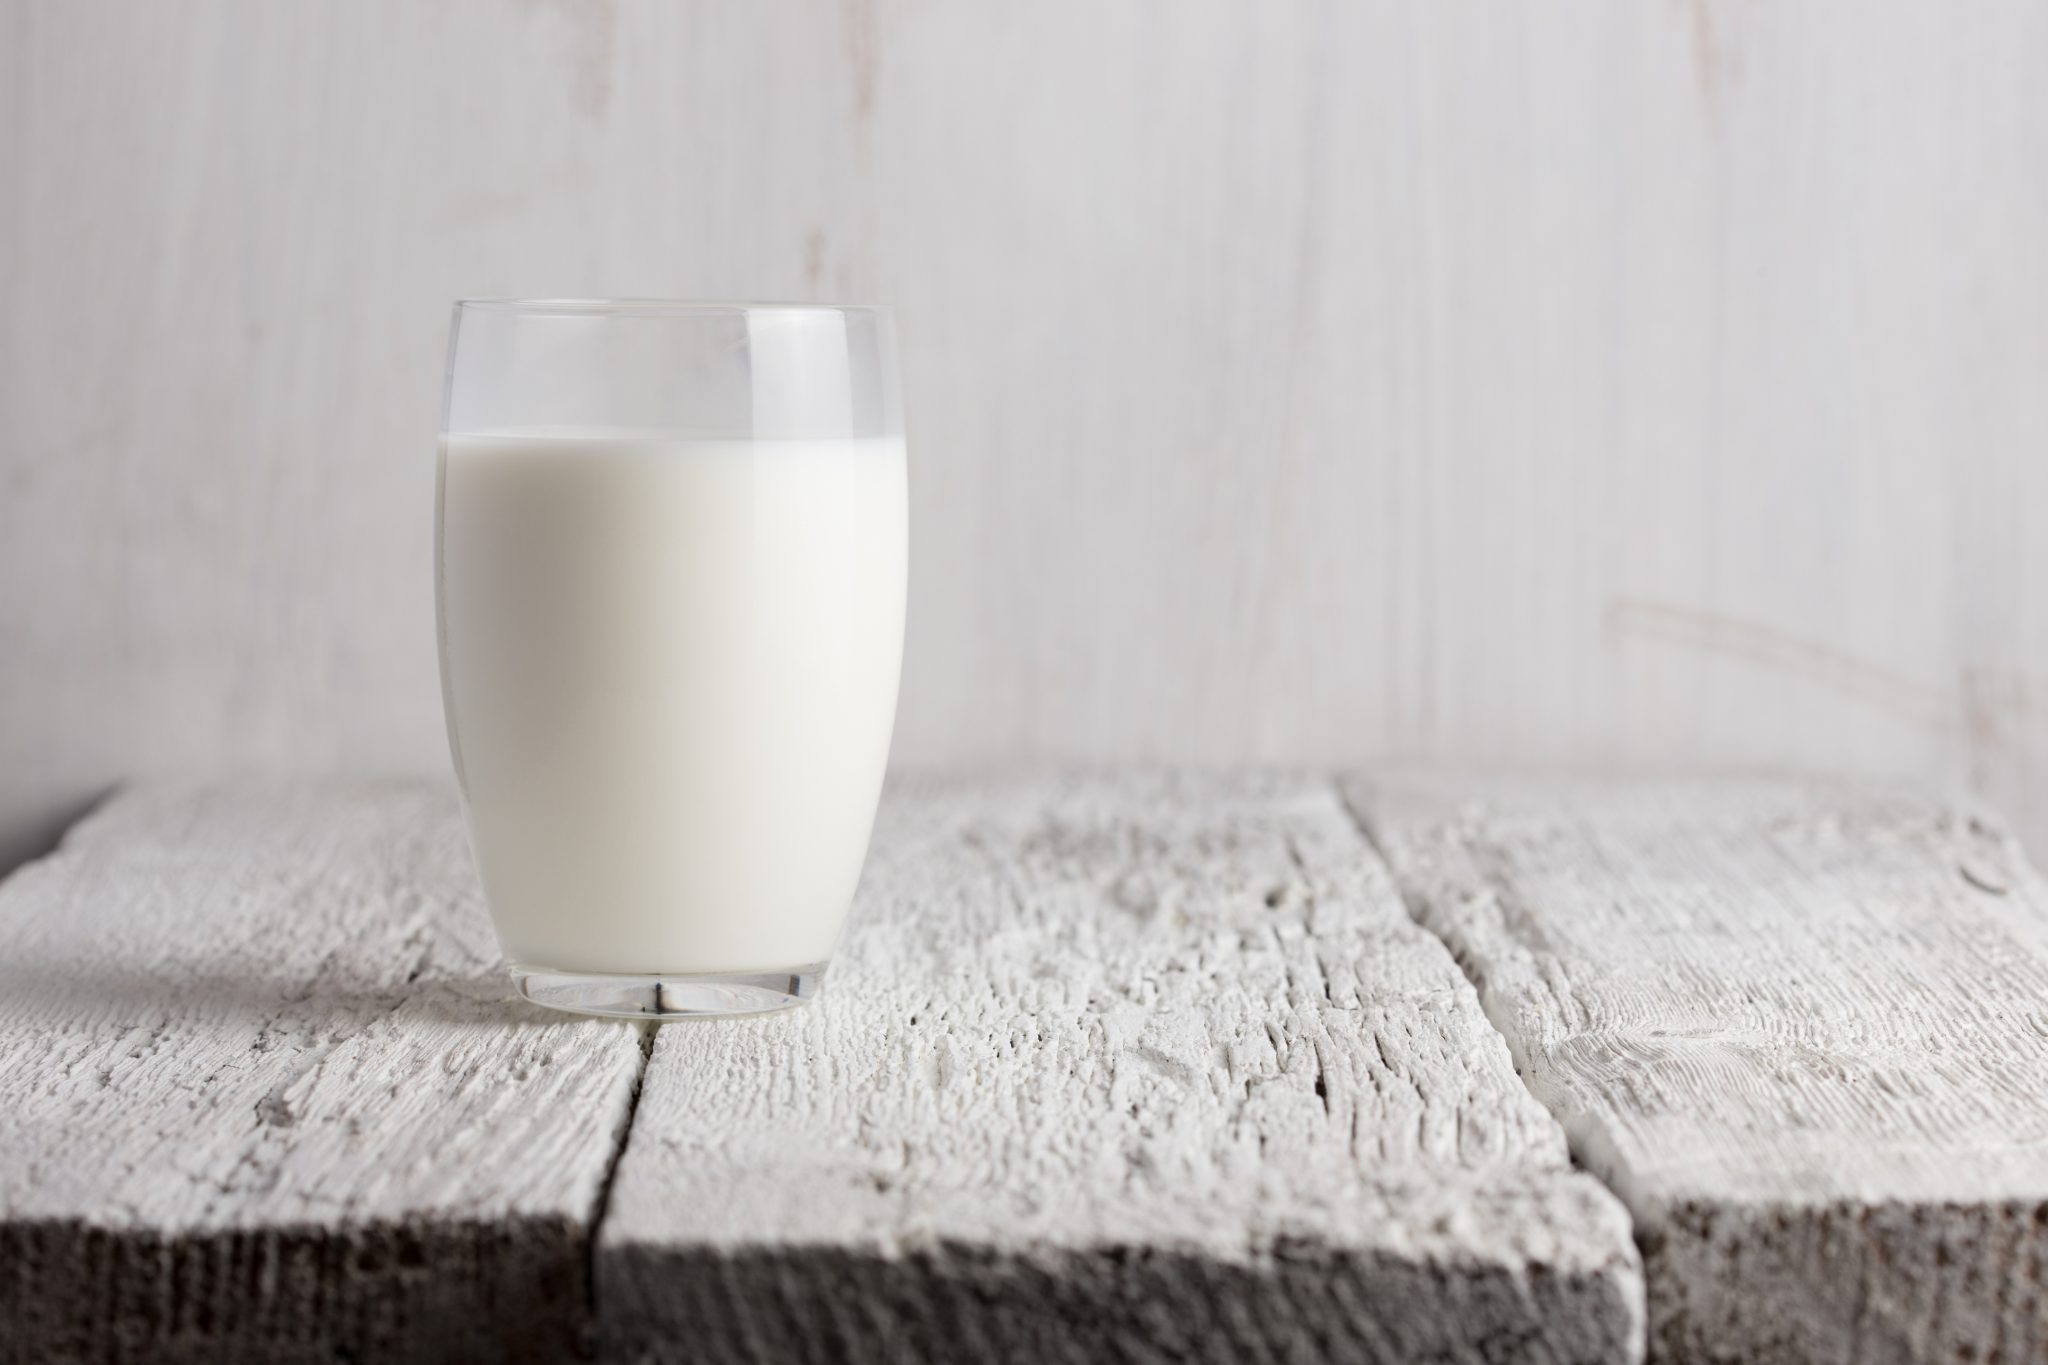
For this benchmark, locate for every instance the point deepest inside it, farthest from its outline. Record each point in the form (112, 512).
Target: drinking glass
(670, 583)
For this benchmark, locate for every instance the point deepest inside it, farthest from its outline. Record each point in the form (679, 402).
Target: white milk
(670, 668)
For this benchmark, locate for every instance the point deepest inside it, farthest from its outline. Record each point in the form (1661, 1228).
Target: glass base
(667, 995)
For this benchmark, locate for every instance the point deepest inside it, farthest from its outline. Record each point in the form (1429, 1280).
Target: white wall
(1606, 380)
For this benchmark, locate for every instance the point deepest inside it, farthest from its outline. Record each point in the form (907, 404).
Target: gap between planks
(1346, 798)
(622, 1135)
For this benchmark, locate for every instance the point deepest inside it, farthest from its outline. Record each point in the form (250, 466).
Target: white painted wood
(1801, 1029)
(1134, 1068)
(267, 1097)
(1288, 381)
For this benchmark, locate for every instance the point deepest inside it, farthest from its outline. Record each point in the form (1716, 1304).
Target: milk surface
(670, 669)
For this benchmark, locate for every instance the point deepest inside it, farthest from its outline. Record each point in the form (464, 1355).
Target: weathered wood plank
(1137, 1068)
(1801, 1029)
(266, 1098)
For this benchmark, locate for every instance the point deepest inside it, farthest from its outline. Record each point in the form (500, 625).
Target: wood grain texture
(1800, 1028)
(1115, 1068)
(1294, 381)
(266, 1098)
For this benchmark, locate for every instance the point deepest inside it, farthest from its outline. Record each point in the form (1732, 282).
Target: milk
(670, 671)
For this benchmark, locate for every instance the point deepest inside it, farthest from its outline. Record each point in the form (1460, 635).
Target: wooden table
(1131, 1067)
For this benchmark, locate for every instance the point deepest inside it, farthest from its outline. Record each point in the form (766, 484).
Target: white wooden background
(1606, 381)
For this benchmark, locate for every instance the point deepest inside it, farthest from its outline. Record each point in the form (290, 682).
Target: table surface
(1117, 1066)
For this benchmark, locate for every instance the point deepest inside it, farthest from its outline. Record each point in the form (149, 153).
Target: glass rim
(649, 307)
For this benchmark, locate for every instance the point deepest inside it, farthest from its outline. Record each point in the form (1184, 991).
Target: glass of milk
(670, 581)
